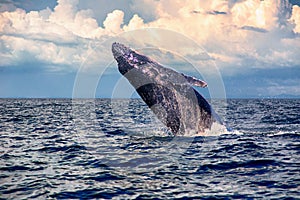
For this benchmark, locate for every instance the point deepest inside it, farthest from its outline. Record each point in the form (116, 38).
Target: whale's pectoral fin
(194, 81)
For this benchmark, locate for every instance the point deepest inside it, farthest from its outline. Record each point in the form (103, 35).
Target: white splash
(218, 129)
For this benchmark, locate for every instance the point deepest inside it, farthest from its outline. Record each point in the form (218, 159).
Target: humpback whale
(168, 93)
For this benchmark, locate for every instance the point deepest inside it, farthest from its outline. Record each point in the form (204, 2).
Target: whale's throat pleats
(162, 101)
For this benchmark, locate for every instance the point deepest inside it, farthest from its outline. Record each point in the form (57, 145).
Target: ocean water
(103, 149)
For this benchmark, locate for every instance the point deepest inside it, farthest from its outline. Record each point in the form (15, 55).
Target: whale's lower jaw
(166, 92)
(163, 103)
(178, 113)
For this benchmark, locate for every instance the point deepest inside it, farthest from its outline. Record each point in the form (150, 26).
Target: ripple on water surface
(64, 149)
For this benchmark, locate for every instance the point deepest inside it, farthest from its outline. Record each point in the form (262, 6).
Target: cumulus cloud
(296, 18)
(237, 35)
(249, 33)
(49, 37)
(113, 22)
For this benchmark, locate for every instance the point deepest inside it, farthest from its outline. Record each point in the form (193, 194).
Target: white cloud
(249, 33)
(135, 23)
(58, 37)
(296, 18)
(113, 22)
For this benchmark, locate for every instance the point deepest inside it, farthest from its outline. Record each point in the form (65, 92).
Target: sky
(62, 49)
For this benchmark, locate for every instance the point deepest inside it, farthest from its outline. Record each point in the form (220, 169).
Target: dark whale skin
(168, 93)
